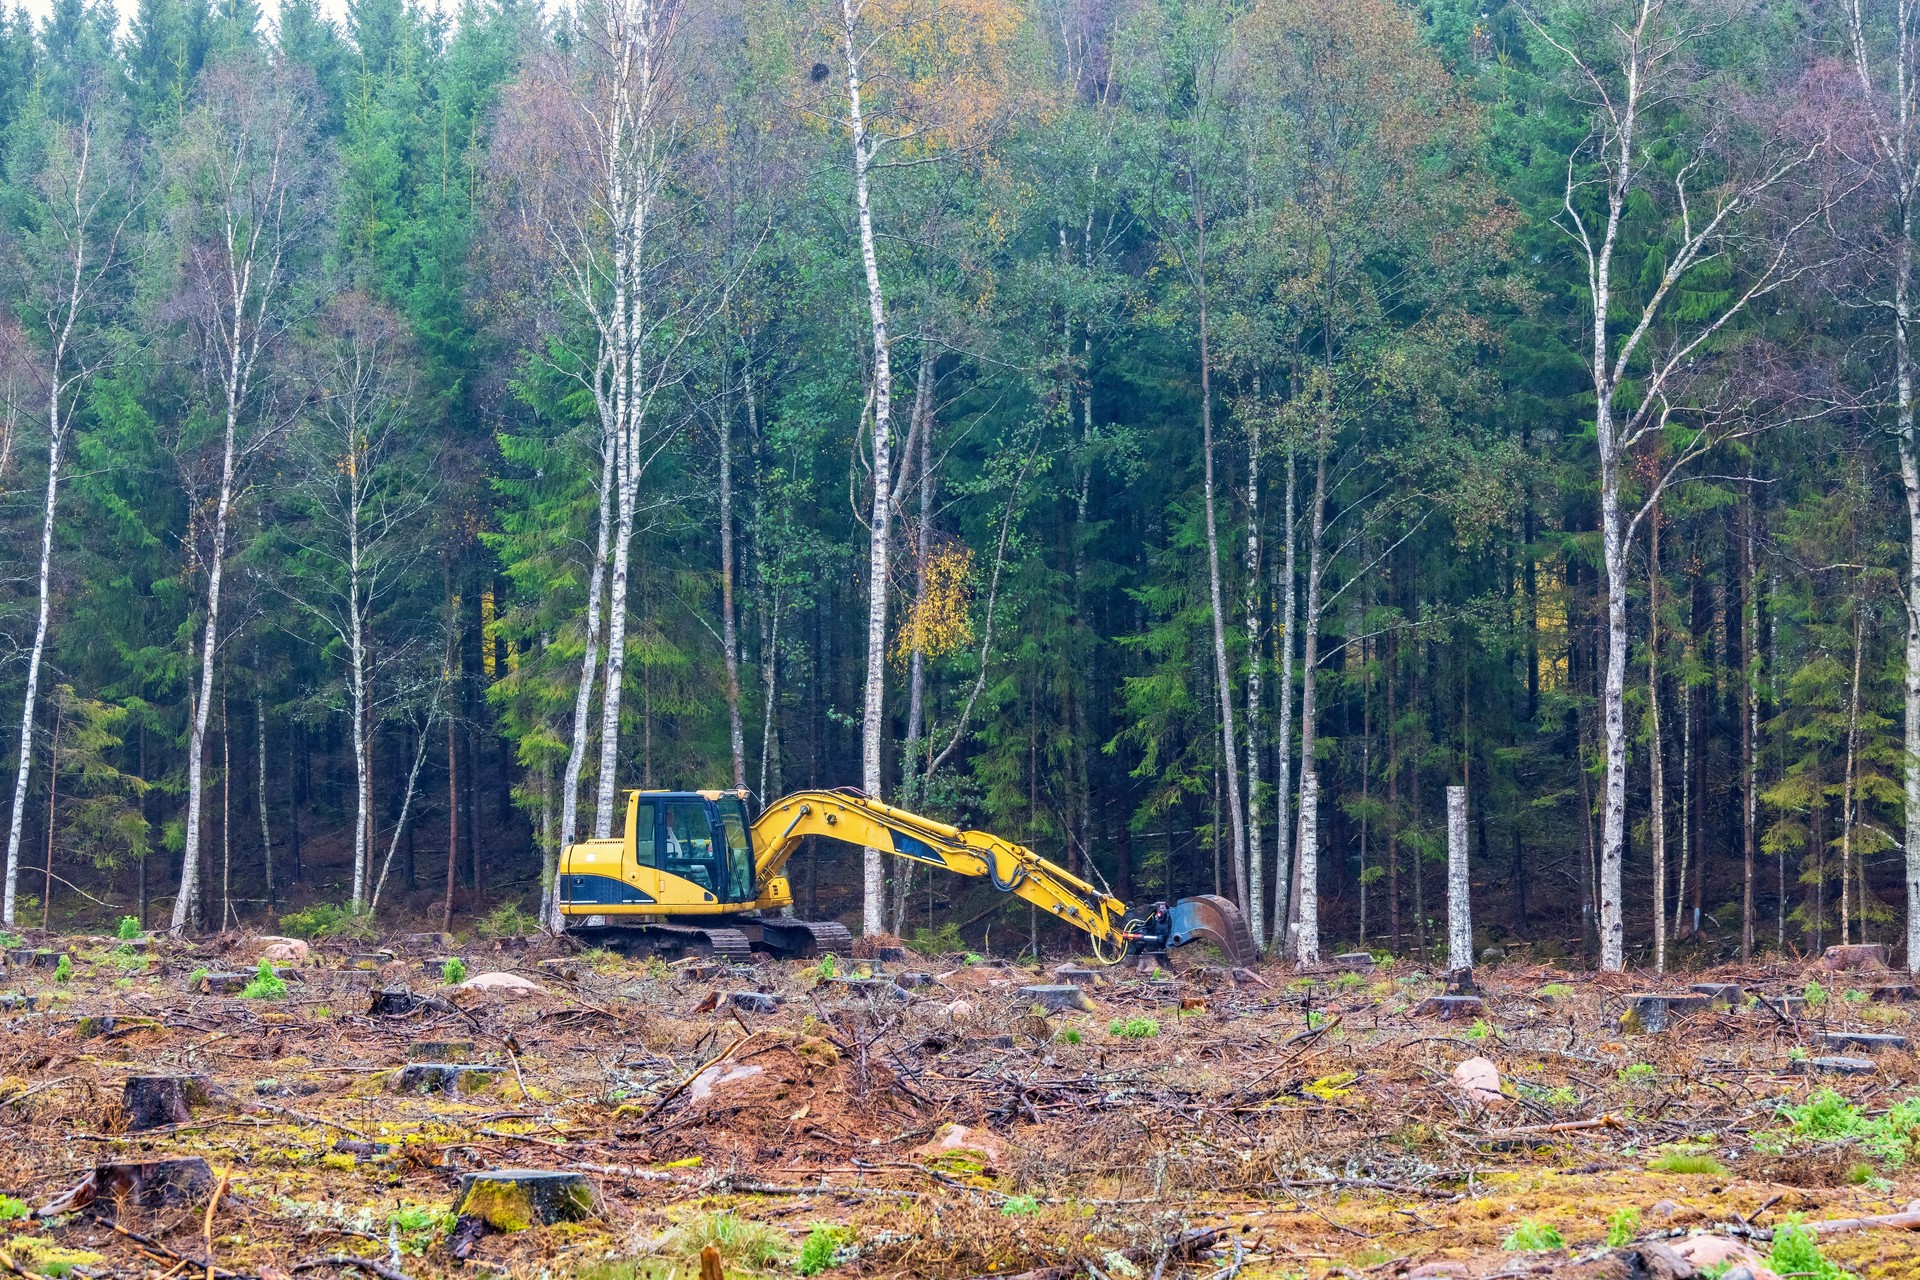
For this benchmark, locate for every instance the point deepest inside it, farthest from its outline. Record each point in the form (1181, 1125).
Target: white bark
(1656, 755)
(1306, 937)
(590, 660)
(88, 253)
(1459, 883)
(1283, 745)
(1256, 894)
(873, 721)
(1307, 948)
(1892, 134)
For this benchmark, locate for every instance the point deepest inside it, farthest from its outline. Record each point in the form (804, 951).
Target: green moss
(1133, 1028)
(1529, 1236)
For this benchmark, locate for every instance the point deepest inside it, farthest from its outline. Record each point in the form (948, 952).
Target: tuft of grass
(128, 929)
(266, 985)
(1529, 1236)
(1796, 1252)
(1622, 1224)
(1019, 1207)
(1687, 1162)
(750, 1244)
(1133, 1028)
(1071, 1035)
(454, 972)
(63, 971)
(506, 921)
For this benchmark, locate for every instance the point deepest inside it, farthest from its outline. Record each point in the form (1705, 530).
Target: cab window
(643, 843)
(733, 822)
(686, 843)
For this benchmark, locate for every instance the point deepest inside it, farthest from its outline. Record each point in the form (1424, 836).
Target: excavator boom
(851, 816)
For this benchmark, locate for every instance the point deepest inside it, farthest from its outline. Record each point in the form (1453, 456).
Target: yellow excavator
(691, 875)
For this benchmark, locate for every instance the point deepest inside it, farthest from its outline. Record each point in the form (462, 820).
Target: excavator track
(672, 941)
(805, 939)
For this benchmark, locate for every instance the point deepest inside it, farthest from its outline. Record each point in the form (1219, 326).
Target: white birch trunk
(1256, 894)
(1229, 754)
(589, 661)
(33, 670)
(1283, 746)
(1306, 939)
(1307, 952)
(729, 628)
(1459, 884)
(1656, 757)
(873, 722)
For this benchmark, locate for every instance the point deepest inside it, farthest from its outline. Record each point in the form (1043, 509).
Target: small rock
(499, 982)
(958, 1010)
(516, 1199)
(1354, 962)
(1665, 1210)
(426, 941)
(1707, 1252)
(1479, 1079)
(1657, 1261)
(1493, 955)
(285, 951)
(1058, 998)
(958, 1137)
(1438, 1270)
(718, 1076)
(1867, 957)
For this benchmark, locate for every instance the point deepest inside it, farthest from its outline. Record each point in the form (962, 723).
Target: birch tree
(1663, 153)
(247, 190)
(585, 153)
(65, 265)
(1883, 46)
(361, 494)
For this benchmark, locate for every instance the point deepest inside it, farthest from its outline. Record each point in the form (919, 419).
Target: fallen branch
(1565, 1126)
(378, 1268)
(1892, 1221)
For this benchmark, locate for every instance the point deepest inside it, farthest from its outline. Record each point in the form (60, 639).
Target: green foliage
(1019, 1206)
(198, 976)
(12, 1209)
(1071, 1035)
(63, 968)
(1814, 994)
(817, 1250)
(1687, 1161)
(506, 921)
(128, 929)
(1639, 1073)
(1135, 1028)
(827, 968)
(266, 984)
(937, 942)
(1479, 1030)
(1796, 1252)
(416, 1227)
(1622, 1224)
(1556, 990)
(454, 971)
(327, 920)
(740, 1240)
(1529, 1236)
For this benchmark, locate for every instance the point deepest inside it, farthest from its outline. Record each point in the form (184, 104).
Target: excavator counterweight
(691, 875)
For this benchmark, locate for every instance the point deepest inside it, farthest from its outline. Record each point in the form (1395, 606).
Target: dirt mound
(787, 1099)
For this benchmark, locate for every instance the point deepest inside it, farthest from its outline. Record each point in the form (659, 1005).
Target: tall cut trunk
(1749, 725)
(53, 794)
(1256, 894)
(590, 659)
(873, 721)
(1283, 739)
(626, 501)
(1459, 884)
(1229, 754)
(916, 749)
(1306, 928)
(1657, 795)
(1847, 793)
(729, 629)
(260, 779)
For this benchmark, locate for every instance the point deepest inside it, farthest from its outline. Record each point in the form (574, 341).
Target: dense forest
(1184, 437)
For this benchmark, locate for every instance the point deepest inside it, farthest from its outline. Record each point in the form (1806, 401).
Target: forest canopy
(1185, 438)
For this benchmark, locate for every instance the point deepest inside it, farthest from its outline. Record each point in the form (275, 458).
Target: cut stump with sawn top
(516, 1199)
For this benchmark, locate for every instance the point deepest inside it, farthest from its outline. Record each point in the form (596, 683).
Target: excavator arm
(849, 815)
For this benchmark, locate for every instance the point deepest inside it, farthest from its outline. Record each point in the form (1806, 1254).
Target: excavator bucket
(1217, 920)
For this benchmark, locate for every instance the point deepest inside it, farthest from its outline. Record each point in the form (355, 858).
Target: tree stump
(516, 1199)
(751, 1002)
(913, 978)
(710, 1268)
(1652, 1012)
(34, 958)
(445, 1077)
(225, 984)
(417, 942)
(144, 1184)
(1726, 995)
(369, 960)
(1058, 998)
(1893, 993)
(396, 1002)
(1354, 962)
(872, 988)
(1078, 975)
(153, 1102)
(1450, 1008)
(1863, 957)
(440, 1050)
(1873, 1041)
(1838, 1066)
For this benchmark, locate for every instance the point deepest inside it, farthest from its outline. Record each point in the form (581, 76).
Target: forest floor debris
(1184, 1123)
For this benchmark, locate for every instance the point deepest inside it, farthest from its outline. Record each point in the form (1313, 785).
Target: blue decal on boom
(919, 850)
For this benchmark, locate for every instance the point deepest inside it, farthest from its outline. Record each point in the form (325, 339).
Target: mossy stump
(1722, 995)
(440, 1050)
(153, 1102)
(225, 984)
(1450, 1008)
(1858, 957)
(34, 958)
(367, 961)
(872, 988)
(445, 1077)
(145, 1184)
(1078, 975)
(1354, 962)
(516, 1199)
(1649, 1013)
